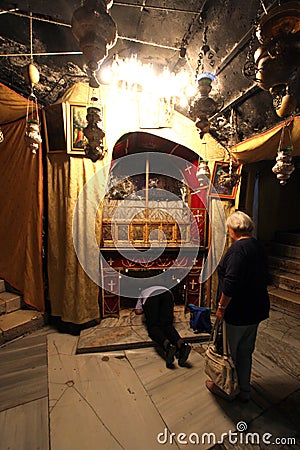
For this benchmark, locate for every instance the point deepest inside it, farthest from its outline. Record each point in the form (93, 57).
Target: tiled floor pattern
(128, 399)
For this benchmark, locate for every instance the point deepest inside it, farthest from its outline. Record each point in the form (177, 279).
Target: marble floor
(57, 399)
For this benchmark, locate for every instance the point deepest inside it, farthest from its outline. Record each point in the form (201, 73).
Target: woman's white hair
(240, 222)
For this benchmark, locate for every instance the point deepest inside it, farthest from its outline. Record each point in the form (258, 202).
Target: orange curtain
(264, 146)
(21, 204)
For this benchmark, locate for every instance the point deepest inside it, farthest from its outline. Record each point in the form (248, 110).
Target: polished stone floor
(52, 398)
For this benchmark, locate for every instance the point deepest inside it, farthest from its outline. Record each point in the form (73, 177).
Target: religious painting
(77, 124)
(224, 183)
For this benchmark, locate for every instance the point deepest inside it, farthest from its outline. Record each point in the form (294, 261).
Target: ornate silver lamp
(203, 172)
(284, 166)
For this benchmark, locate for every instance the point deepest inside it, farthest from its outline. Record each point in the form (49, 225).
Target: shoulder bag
(218, 363)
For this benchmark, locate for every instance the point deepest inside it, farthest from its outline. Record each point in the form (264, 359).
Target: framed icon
(223, 184)
(77, 124)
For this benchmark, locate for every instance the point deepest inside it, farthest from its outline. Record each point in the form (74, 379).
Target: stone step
(9, 302)
(289, 251)
(285, 264)
(286, 281)
(285, 300)
(289, 238)
(18, 323)
(2, 286)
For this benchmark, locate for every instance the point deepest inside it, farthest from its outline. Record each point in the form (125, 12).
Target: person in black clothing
(243, 300)
(157, 302)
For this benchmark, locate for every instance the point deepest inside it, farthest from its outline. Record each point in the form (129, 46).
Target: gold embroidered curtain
(73, 294)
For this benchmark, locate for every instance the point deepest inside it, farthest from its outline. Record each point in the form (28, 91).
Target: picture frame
(77, 123)
(221, 190)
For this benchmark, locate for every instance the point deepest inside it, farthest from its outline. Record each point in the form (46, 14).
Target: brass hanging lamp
(274, 66)
(203, 106)
(95, 30)
(94, 148)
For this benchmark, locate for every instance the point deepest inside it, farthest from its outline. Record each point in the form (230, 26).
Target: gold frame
(224, 193)
(76, 116)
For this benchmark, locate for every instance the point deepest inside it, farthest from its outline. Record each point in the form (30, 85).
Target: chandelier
(274, 66)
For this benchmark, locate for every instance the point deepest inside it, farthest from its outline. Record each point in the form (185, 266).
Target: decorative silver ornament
(203, 174)
(283, 167)
(32, 135)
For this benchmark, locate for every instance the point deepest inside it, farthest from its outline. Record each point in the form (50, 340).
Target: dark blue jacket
(243, 275)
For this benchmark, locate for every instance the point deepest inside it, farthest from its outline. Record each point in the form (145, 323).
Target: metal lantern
(275, 64)
(203, 174)
(94, 149)
(203, 106)
(283, 167)
(95, 30)
(32, 133)
(230, 179)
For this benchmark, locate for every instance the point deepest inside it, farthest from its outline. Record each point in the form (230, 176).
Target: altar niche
(145, 210)
(178, 290)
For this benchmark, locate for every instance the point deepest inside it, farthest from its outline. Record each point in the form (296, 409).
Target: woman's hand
(220, 314)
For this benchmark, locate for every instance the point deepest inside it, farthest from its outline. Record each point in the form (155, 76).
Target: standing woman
(243, 300)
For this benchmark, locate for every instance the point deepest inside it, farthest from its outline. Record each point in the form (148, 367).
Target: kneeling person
(157, 302)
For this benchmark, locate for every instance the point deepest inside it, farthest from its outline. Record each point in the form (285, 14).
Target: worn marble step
(289, 251)
(288, 238)
(2, 286)
(18, 323)
(285, 264)
(286, 281)
(285, 300)
(9, 302)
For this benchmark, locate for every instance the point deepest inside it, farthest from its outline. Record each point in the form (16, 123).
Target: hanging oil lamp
(284, 166)
(230, 179)
(94, 148)
(203, 172)
(32, 133)
(95, 30)
(274, 64)
(203, 107)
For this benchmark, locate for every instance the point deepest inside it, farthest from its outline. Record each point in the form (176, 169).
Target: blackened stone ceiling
(155, 31)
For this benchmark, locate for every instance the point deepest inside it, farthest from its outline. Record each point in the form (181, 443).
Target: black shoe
(170, 354)
(184, 352)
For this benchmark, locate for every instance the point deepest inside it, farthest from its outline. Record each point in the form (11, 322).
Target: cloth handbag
(218, 363)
